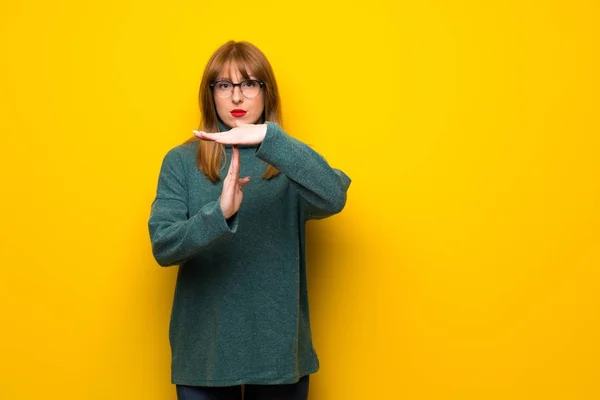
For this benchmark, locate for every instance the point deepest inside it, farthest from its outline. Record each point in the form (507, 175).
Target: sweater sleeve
(175, 235)
(322, 187)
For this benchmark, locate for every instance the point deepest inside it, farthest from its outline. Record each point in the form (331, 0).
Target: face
(238, 107)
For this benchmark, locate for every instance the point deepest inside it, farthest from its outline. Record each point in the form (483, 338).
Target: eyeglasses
(250, 88)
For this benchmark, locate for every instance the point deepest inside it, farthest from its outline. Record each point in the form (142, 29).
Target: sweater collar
(223, 127)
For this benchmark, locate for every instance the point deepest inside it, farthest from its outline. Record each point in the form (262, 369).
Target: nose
(237, 96)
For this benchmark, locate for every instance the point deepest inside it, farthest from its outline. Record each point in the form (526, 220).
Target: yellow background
(465, 265)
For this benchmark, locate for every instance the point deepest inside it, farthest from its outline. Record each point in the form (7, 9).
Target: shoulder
(274, 128)
(183, 152)
(181, 157)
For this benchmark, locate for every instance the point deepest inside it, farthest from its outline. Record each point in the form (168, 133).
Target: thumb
(243, 182)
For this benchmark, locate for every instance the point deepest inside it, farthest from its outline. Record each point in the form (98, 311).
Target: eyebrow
(222, 78)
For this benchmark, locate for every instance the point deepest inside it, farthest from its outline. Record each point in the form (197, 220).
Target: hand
(231, 194)
(244, 134)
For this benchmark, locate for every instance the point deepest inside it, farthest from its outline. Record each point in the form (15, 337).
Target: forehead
(234, 71)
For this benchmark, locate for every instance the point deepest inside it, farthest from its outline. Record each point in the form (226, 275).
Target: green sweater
(240, 312)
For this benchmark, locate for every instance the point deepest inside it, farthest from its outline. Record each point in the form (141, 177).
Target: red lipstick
(238, 113)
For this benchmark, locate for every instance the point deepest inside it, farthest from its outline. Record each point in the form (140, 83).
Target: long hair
(249, 59)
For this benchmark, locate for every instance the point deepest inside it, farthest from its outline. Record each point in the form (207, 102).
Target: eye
(223, 85)
(249, 84)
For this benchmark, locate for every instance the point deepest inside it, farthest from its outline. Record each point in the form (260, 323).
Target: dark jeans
(294, 391)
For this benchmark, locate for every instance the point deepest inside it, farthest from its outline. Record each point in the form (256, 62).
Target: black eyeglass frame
(260, 83)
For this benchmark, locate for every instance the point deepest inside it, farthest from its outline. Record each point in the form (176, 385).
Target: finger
(235, 162)
(223, 138)
(243, 182)
(229, 188)
(230, 170)
(206, 136)
(226, 184)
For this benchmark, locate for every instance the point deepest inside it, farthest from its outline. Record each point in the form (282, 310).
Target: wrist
(224, 212)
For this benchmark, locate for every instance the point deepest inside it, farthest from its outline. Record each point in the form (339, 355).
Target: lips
(238, 113)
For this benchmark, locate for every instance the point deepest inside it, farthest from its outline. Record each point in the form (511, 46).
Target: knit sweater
(240, 311)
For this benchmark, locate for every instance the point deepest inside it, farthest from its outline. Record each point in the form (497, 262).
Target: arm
(175, 235)
(323, 188)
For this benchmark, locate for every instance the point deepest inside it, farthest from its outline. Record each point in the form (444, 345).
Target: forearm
(319, 184)
(175, 241)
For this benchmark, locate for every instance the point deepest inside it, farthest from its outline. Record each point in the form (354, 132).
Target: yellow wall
(465, 265)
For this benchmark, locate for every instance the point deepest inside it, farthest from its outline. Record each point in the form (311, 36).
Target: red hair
(248, 59)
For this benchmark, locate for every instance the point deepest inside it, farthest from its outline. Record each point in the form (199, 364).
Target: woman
(240, 313)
